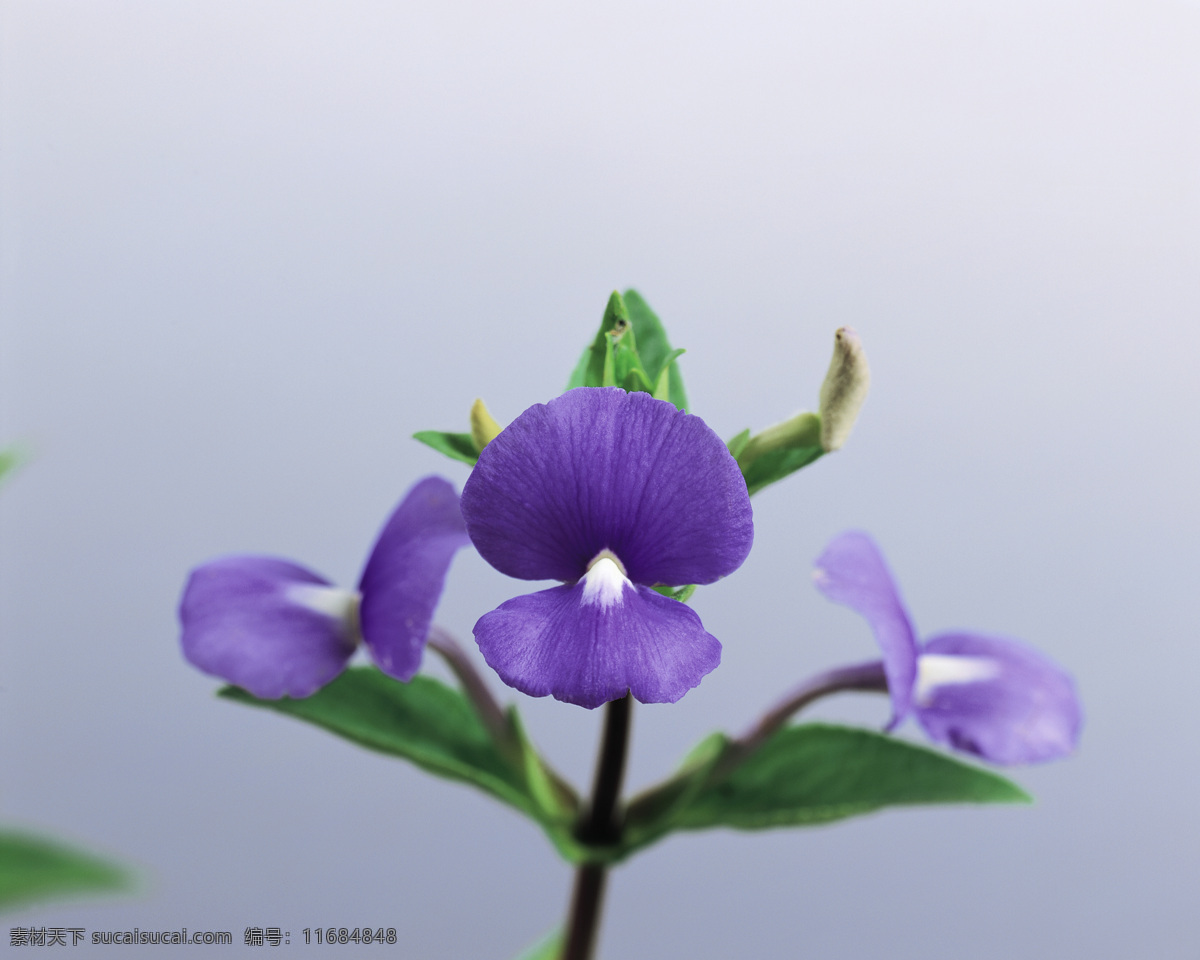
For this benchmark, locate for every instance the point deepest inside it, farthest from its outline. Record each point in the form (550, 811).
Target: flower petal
(852, 572)
(405, 573)
(1010, 704)
(587, 645)
(267, 625)
(599, 468)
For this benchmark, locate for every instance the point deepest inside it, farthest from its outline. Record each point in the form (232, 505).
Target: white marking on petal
(938, 670)
(336, 603)
(604, 583)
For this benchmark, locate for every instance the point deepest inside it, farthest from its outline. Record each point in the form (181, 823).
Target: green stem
(600, 824)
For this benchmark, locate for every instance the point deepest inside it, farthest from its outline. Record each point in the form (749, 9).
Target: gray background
(249, 248)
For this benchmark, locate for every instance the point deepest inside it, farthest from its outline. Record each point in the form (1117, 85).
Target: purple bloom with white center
(989, 696)
(277, 629)
(611, 493)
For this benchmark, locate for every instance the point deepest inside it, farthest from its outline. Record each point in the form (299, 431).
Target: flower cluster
(622, 498)
(610, 492)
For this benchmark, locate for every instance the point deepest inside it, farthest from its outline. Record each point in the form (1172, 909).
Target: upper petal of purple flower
(589, 646)
(996, 698)
(852, 571)
(599, 468)
(267, 625)
(405, 573)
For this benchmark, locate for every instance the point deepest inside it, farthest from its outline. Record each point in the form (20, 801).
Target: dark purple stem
(860, 676)
(490, 712)
(599, 825)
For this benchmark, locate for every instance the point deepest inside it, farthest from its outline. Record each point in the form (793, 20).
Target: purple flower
(277, 629)
(611, 493)
(989, 696)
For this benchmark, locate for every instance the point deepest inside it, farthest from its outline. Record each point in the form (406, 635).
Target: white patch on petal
(604, 583)
(336, 603)
(819, 575)
(938, 670)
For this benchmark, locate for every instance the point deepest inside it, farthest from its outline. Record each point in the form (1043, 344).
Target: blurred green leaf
(738, 444)
(817, 773)
(547, 948)
(655, 813)
(777, 464)
(10, 459)
(457, 446)
(35, 868)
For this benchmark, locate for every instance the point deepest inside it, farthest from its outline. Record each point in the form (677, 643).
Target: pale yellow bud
(483, 428)
(844, 390)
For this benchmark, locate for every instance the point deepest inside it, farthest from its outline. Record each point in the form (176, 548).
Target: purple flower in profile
(277, 629)
(989, 696)
(611, 493)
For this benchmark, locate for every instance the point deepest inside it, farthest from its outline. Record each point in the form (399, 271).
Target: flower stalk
(859, 676)
(600, 825)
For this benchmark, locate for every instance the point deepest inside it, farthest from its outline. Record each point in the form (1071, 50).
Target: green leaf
(649, 362)
(590, 371)
(653, 814)
(556, 797)
(662, 388)
(548, 948)
(627, 370)
(778, 450)
(777, 464)
(423, 721)
(457, 446)
(654, 348)
(682, 594)
(738, 444)
(36, 868)
(818, 773)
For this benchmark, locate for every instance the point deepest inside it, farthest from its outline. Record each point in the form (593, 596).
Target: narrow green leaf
(435, 727)
(423, 721)
(655, 359)
(817, 773)
(662, 388)
(654, 348)
(556, 798)
(590, 371)
(777, 464)
(579, 375)
(457, 446)
(738, 443)
(548, 948)
(36, 868)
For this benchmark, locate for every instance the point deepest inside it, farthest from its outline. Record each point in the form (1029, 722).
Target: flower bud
(844, 390)
(483, 427)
